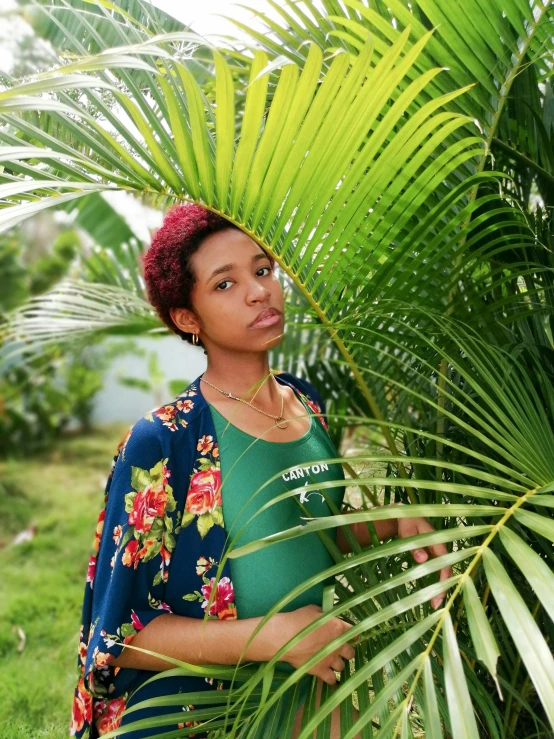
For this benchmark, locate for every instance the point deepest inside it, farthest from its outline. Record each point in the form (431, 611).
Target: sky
(202, 15)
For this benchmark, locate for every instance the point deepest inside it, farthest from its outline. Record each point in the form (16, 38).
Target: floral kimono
(158, 542)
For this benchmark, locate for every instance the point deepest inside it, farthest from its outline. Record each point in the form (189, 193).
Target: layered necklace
(278, 419)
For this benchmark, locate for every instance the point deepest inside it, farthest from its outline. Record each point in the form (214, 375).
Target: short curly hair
(168, 272)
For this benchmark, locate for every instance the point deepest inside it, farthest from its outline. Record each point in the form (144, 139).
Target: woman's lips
(269, 321)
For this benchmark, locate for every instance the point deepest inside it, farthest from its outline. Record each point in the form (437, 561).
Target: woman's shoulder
(300, 383)
(167, 419)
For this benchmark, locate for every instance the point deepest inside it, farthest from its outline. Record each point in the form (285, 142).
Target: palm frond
(79, 309)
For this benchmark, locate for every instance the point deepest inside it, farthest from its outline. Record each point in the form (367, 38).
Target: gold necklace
(278, 418)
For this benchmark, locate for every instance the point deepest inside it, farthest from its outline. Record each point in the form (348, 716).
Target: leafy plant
(419, 275)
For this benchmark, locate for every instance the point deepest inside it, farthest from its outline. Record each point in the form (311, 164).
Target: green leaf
(382, 699)
(181, 138)
(204, 524)
(152, 550)
(62, 82)
(225, 126)
(199, 133)
(541, 524)
(250, 131)
(431, 710)
(217, 515)
(11, 216)
(129, 498)
(484, 642)
(164, 166)
(462, 718)
(543, 500)
(375, 514)
(140, 479)
(170, 542)
(534, 568)
(267, 683)
(376, 662)
(530, 643)
(187, 519)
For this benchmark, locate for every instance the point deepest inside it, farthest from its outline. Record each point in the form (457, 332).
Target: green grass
(42, 581)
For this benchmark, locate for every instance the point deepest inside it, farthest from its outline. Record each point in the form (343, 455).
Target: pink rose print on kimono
(203, 564)
(182, 724)
(158, 605)
(219, 686)
(222, 606)
(123, 636)
(150, 529)
(108, 714)
(91, 570)
(82, 708)
(171, 415)
(99, 529)
(203, 501)
(96, 546)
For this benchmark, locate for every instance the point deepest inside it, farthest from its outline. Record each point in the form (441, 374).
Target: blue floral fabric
(159, 540)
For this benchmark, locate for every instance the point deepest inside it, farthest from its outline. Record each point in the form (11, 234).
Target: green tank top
(262, 578)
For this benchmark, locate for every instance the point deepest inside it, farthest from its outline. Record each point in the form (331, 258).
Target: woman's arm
(222, 642)
(191, 640)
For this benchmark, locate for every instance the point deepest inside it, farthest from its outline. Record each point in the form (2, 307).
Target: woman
(164, 526)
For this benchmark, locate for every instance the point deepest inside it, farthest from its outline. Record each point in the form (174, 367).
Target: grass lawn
(42, 581)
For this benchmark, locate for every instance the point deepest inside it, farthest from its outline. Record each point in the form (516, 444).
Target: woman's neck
(243, 375)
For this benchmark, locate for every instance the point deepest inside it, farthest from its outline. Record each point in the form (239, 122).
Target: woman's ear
(184, 319)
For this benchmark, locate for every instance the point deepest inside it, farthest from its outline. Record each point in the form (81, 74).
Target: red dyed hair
(168, 273)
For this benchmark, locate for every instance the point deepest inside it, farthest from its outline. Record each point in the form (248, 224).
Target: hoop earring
(195, 339)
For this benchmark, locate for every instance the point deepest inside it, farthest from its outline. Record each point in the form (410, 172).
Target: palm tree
(417, 273)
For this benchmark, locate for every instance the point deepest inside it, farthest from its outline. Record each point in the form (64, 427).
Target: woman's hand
(290, 623)
(412, 527)
(388, 528)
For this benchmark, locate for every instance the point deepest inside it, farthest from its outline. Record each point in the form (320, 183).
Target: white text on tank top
(299, 472)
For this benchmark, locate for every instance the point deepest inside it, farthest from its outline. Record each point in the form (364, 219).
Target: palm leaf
(75, 306)
(369, 187)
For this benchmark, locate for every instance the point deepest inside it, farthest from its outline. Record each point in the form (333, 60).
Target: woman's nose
(257, 291)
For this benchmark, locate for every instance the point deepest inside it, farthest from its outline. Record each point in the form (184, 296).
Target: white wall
(177, 359)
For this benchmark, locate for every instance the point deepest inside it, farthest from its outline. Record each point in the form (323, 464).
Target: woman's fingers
(436, 550)
(439, 550)
(420, 555)
(328, 676)
(347, 651)
(414, 526)
(445, 573)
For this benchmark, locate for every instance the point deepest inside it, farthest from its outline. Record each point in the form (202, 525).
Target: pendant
(278, 424)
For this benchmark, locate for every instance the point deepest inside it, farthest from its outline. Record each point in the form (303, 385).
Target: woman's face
(234, 284)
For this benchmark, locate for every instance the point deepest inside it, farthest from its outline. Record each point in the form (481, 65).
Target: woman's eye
(225, 281)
